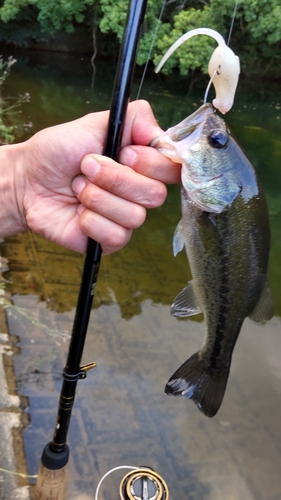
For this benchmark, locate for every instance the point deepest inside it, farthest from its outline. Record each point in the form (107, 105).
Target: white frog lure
(224, 67)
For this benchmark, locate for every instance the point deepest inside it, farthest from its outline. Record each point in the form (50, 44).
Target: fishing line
(209, 85)
(131, 467)
(151, 47)
(21, 474)
(232, 22)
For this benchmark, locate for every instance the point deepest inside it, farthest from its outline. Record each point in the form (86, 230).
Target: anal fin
(185, 303)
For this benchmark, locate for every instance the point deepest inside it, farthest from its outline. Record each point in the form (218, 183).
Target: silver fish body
(225, 231)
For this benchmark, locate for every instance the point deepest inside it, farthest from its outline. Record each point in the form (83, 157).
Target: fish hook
(223, 68)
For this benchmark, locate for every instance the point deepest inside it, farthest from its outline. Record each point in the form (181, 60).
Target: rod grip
(52, 477)
(51, 484)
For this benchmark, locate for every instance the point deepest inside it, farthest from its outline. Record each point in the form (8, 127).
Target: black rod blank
(73, 371)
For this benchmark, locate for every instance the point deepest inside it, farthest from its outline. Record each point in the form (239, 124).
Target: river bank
(12, 418)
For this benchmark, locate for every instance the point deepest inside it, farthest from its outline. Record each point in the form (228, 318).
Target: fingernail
(128, 156)
(78, 185)
(90, 166)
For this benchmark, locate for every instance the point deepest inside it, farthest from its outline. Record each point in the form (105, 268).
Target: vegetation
(256, 34)
(9, 108)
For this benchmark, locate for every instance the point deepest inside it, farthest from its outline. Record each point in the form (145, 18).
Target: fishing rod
(52, 476)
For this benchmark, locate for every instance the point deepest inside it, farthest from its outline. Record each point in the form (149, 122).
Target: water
(121, 415)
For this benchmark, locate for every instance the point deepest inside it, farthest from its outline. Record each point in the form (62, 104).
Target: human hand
(67, 191)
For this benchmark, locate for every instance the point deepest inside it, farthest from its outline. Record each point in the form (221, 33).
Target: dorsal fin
(263, 310)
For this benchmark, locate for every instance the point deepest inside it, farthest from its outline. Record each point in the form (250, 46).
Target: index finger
(151, 163)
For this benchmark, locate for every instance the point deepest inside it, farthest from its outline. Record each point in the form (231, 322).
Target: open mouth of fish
(186, 134)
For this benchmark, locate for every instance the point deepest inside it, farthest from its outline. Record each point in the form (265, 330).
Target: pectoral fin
(264, 308)
(178, 239)
(185, 303)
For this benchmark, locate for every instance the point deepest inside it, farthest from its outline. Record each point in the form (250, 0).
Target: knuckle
(94, 200)
(115, 181)
(138, 216)
(85, 221)
(92, 197)
(116, 238)
(157, 194)
(111, 236)
(146, 107)
(141, 104)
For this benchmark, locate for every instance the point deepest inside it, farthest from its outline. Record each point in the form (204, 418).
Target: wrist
(12, 187)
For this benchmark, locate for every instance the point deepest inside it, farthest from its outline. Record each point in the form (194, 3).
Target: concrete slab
(10, 421)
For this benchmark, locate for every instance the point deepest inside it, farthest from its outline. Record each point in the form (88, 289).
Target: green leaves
(114, 16)
(8, 108)
(52, 15)
(11, 8)
(268, 26)
(256, 35)
(60, 15)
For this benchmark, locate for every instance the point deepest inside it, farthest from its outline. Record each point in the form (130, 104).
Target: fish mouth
(185, 134)
(191, 127)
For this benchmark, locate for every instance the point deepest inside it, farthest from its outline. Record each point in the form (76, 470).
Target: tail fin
(196, 381)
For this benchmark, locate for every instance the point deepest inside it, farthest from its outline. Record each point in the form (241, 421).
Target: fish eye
(218, 140)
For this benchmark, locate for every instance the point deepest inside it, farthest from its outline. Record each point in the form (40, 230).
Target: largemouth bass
(225, 231)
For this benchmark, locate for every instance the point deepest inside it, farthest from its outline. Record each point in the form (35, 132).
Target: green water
(121, 415)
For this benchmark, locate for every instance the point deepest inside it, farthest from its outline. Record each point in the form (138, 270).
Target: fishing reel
(143, 484)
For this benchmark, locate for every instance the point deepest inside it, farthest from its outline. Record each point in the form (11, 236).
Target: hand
(67, 191)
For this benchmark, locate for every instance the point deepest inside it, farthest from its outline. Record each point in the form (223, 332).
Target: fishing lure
(223, 68)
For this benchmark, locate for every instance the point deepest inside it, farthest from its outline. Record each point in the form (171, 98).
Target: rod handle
(52, 477)
(51, 484)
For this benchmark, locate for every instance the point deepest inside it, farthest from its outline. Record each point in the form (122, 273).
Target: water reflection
(144, 269)
(121, 414)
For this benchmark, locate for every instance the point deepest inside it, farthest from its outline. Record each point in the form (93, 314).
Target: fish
(226, 234)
